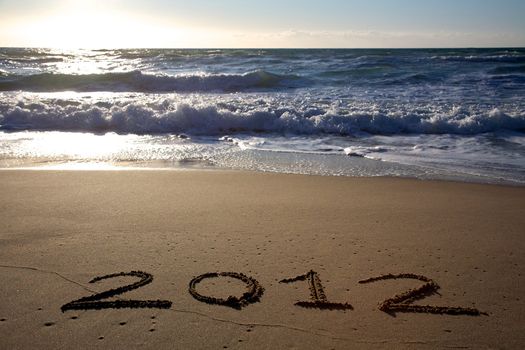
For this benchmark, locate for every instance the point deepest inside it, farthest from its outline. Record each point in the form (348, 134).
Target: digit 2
(94, 301)
(403, 302)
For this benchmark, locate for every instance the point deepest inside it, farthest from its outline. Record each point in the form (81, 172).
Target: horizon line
(263, 48)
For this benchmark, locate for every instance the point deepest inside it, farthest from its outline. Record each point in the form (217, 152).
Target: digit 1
(317, 295)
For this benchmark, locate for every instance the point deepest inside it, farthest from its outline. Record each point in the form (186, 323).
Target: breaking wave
(164, 117)
(137, 81)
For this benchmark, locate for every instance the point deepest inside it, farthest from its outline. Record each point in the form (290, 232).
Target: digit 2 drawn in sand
(317, 294)
(93, 301)
(403, 302)
(252, 295)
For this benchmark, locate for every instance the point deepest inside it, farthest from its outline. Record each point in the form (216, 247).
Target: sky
(262, 24)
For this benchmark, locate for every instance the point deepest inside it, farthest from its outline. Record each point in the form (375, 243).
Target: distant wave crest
(506, 58)
(137, 81)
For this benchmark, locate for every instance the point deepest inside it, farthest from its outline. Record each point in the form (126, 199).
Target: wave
(505, 58)
(137, 81)
(413, 79)
(364, 151)
(508, 70)
(34, 60)
(357, 72)
(163, 117)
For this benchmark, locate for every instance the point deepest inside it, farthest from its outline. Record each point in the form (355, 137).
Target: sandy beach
(61, 229)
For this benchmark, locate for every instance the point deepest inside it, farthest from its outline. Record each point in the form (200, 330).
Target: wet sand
(225, 259)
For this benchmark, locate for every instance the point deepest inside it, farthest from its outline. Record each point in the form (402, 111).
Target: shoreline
(204, 166)
(61, 229)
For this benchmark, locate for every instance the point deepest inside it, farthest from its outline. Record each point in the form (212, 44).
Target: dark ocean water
(443, 113)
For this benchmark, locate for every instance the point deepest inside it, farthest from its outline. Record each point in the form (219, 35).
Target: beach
(206, 175)
(61, 229)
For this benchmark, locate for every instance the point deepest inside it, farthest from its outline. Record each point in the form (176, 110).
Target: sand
(266, 254)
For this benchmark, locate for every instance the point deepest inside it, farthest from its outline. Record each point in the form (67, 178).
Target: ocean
(455, 114)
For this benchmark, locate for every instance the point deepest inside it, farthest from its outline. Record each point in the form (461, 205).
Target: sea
(450, 114)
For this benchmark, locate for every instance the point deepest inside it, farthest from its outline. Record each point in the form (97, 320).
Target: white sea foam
(214, 116)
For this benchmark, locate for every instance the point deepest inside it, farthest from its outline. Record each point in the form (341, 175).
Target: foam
(216, 116)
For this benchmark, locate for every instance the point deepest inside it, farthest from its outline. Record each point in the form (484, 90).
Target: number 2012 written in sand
(399, 303)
